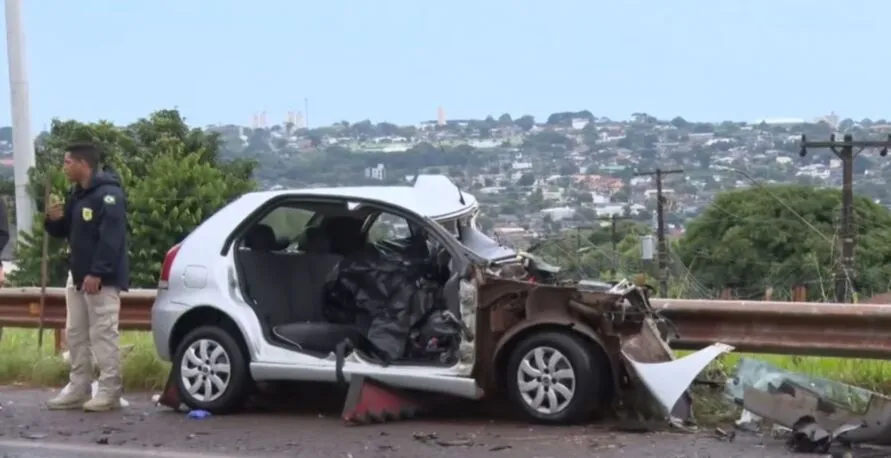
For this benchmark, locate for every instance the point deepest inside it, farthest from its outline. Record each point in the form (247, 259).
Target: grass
(21, 363)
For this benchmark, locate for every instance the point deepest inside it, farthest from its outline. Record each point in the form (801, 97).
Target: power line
(845, 151)
(614, 241)
(660, 226)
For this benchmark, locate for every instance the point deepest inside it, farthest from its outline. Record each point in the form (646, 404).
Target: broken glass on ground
(789, 399)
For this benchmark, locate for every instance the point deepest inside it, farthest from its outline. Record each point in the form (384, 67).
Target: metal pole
(662, 254)
(660, 231)
(842, 292)
(845, 151)
(22, 143)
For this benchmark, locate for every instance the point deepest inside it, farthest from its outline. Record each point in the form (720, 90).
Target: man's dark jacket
(95, 223)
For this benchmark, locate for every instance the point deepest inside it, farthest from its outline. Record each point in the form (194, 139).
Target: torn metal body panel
(668, 381)
(616, 320)
(847, 412)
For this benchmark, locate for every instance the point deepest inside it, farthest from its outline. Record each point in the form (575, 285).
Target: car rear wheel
(211, 370)
(556, 377)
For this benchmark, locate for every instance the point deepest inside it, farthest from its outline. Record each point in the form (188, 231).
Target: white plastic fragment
(667, 381)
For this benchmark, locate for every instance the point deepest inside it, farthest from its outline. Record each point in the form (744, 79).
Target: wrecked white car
(331, 285)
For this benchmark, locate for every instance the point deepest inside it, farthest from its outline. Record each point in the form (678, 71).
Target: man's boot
(71, 397)
(102, 403)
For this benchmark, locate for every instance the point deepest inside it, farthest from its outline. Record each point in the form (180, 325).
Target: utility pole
(845, 150)
(614, 241)
(22, 143)
(662, 256)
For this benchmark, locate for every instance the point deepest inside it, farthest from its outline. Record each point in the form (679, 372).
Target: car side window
(388, 227)
(287, 222)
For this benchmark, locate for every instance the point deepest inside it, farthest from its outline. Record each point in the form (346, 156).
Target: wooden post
(59, 340)
(44, 272)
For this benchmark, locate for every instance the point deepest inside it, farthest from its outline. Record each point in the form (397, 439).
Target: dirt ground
(146, 430)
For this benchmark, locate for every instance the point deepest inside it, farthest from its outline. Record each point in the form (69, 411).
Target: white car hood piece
(667, 381)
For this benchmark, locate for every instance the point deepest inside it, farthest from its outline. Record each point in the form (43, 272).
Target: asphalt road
(143, 430)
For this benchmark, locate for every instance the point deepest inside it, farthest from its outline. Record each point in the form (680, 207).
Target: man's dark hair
(86, 152)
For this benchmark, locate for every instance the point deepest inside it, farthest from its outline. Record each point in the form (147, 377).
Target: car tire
(556, 377)
(199, 369)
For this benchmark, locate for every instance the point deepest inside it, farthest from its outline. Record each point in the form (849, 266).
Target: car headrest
(261, 238)
(316, 241)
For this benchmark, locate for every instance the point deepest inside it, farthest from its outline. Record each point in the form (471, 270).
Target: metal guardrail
(20, 308)
(791, 328)
(802, 328)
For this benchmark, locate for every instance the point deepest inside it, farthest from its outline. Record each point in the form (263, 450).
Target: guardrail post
(59, 342)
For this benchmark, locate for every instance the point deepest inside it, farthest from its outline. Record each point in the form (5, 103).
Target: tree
(526, 179)
(680, 123)
(173, 176)
(505, 120)
(565, 118)
(785, 235)
(536, 200)
(525, 122)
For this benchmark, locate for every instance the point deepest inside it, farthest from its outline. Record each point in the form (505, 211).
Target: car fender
(250, 346)
(551, 321)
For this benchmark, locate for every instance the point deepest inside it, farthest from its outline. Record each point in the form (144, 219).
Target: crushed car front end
(615, 322)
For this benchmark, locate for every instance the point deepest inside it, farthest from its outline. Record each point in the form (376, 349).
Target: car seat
(261, 237)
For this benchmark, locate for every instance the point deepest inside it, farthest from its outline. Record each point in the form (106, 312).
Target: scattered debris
(808, 437)
(34, 436)
(729, 436)
(433, 439)
(748, 422)
(199, 414)
(425, 437)
(156, 399)
(812, 413)
(454, 443)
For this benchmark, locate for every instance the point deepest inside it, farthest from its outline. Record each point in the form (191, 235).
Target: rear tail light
(163, 281)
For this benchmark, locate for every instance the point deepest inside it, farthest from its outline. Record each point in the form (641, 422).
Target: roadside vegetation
(21, 363)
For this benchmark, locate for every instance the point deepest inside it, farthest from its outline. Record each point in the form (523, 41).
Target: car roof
(433, 196)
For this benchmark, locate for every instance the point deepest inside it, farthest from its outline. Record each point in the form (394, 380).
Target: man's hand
(2, 276)
(91, 284)
(54, 209)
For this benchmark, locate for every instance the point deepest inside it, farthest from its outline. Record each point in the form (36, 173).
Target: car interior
(292, 261)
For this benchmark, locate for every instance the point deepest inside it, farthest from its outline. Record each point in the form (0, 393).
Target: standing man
(94, 220)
